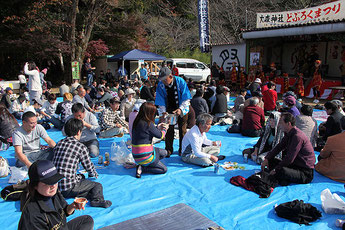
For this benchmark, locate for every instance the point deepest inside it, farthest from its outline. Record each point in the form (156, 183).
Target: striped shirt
(142, 147)
(108, 119)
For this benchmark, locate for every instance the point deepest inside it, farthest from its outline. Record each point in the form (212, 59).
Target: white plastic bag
(17, 174)
(4, 168)
(121, 154)
(332, 203)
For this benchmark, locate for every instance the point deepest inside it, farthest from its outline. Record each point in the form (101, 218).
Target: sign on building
(225, 55)
(327, 12)
(75, 70)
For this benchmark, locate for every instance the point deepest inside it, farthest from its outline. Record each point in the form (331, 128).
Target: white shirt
(196, 139)
(17, 107)
(49, 108)
(34, 79)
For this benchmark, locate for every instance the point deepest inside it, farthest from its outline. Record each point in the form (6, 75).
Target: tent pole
(123, 66)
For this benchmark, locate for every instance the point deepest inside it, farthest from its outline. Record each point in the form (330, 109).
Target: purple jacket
(300, 152)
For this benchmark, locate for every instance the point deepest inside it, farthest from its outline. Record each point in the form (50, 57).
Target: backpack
(298, 212)
(15, 192)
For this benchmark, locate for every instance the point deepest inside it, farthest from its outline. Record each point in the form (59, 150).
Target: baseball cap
(163, 73)
(39, 101)
(8, 89)
(44, 171)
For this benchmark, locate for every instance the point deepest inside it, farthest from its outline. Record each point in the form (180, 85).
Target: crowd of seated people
(109, 108)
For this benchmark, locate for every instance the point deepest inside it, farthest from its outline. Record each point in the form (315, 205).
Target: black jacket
(333, 124)
(221, 105)
(146, 94)
(199, 105)
(37, 215)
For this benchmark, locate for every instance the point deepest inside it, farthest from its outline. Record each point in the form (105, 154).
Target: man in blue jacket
(173, 97)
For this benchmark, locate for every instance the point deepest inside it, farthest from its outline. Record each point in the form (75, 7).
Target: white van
(191, 68)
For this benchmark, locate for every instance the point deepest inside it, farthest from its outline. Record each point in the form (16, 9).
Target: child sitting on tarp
(268, 140)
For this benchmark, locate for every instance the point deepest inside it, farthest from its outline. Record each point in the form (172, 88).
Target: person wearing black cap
(173, 96)
(45, 207)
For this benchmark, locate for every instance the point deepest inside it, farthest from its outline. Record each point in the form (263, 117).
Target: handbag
(4, 168)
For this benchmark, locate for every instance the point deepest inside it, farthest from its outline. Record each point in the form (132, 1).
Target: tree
(83, 18)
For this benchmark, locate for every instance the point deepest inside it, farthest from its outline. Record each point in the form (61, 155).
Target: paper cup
(81, 202)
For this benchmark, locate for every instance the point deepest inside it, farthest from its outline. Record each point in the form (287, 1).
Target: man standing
(89, 71)
(195, 138)
(173, 97)
(91, 127)
(270, 97)
(109, 76)
(143, 73)
(297, 166)
(68, 153)
(110, 121)
(26, 142)
(174, 71)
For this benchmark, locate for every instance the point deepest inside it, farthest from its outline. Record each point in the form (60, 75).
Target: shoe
(221, 157)
(339, 223)
(119, 135)
(139, 171)
(168, 154)
(205, 166)
(101, 203)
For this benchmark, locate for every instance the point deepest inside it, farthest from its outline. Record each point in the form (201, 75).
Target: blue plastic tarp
(208, 193)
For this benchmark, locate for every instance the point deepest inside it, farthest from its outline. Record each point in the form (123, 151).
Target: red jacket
(270, 98)
(253, 118)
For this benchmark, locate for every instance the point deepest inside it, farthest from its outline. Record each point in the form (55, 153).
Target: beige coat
(333, 164)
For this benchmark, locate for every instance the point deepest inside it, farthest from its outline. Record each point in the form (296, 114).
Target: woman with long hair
(144, 129)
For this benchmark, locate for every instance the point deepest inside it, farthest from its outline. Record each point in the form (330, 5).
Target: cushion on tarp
(179, 216)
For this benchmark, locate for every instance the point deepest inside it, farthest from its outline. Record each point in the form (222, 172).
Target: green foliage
(194, 54)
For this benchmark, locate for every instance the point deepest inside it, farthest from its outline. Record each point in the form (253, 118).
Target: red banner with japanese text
(327, 12)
